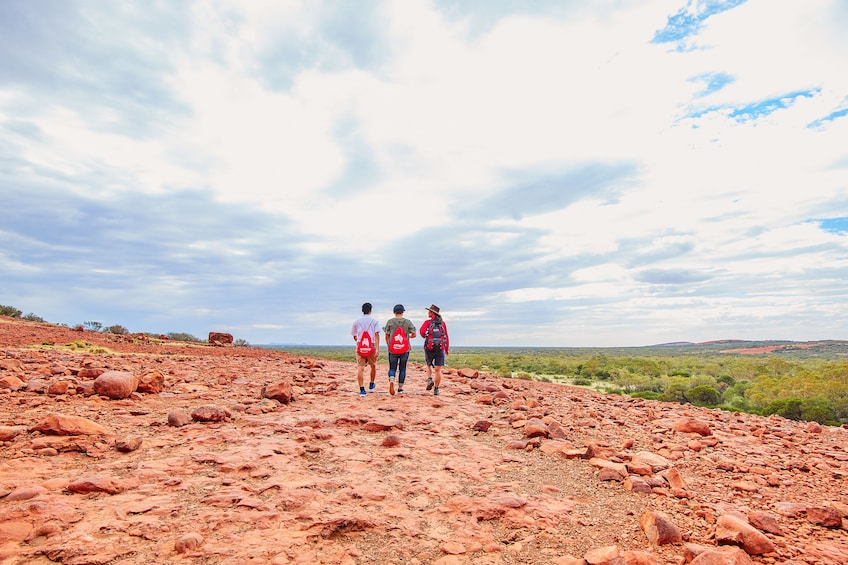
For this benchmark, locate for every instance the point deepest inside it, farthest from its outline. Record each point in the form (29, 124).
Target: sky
(573, 173)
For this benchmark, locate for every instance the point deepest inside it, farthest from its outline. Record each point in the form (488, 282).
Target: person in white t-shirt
(366, 323)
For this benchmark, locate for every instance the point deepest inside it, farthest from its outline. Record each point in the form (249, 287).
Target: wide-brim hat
(433, 308)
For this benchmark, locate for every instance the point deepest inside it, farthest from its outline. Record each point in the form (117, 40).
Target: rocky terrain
(127, 450)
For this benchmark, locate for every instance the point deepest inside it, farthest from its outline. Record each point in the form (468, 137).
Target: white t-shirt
(364, 323)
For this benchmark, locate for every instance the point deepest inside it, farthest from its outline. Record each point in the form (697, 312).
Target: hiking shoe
(371, 386)
(400, 391)
(392, 387)
(362, 392)
(430, 383)
(436, 391)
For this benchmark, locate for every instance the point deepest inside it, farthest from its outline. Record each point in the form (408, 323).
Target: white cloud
(544, 157)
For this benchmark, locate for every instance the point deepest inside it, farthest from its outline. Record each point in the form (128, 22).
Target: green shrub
(582, 381)
(92, 326)
(241, 343)
(703, 395)
(818, 410)
(117, 330)
(789, 408)
(726, 379)
(646, 394)
(10, 311)
(182, 337)
(33, 318)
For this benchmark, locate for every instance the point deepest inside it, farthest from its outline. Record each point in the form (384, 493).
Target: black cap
(399, 309)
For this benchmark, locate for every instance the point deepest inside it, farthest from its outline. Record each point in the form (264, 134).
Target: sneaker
(392, 387)
(371, 386)
(400, 391)
(430, 383)
(436, 391)
(362, 392)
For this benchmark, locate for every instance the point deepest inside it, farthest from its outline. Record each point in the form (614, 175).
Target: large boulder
(218, 338)
(116, 384)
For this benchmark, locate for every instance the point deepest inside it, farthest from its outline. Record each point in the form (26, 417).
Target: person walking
(399, 331)
(436, 346)
(366, 334)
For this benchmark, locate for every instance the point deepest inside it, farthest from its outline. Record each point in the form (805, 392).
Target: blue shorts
(434, 358)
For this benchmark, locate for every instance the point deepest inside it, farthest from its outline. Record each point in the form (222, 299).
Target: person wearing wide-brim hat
(436, 346)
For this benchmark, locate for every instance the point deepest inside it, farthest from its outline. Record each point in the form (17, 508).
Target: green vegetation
(182, 337)
(10, 311)
(799, 383)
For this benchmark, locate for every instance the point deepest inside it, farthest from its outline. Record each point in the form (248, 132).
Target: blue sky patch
(713, 82)
(834, 225)
(758, 109)
(833, 116)
(689, 19)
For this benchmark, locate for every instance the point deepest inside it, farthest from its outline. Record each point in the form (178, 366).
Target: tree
(703, 395)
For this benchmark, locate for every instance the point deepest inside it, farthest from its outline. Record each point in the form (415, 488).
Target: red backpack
(399, 342)
(365, 347)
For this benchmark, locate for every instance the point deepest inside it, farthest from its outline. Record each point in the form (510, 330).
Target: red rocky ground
(126, 452)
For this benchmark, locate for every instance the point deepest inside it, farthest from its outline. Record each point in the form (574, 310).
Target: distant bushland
(797, 381)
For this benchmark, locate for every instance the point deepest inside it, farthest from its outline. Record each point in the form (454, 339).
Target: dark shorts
(434, 358)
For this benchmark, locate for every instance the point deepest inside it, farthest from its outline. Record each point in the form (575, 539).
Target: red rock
(58, 387)
(651, 460)
(178, 418)
(765, 521)
(86, 485)
(188, 542)
(636, 483)
(639, 558)
(468, 373)
(60, 424)
(481, 426)
(128, 444)
(390, 441)
(674, 479)
(151, 382)
(569, 560)
(11, 382)
(209, 413)
(731, 530)
(824, 516)
(535, 428)
(659, 528)
(8, 433)
(90, 373)
(14, 531)
(607, 555)
(25, 493)
(382, 425)
(220, 338)
(116, 384)
(722, 556)
(692, 426)
(281, 392)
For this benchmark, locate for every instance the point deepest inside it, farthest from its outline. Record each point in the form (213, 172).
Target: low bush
(182, 337)
(10, 311)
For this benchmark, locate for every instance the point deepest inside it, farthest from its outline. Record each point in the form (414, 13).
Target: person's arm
(447, 338)
(424, 326)
(412, 335)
